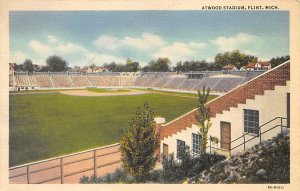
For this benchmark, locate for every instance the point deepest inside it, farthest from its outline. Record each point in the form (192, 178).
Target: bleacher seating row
(156, 80)
(219, 84)
(45, 80)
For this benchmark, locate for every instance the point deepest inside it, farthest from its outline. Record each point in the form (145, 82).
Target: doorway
(165, 151)
(225, 135)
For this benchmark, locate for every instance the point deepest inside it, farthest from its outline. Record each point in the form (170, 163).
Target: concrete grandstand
(217, 81)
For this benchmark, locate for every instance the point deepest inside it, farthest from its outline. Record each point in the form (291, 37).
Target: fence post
(28, 174)
(210, 145)
(244, 143)
(95, 164)
(61, 171)
(259, 135)
(281, 125)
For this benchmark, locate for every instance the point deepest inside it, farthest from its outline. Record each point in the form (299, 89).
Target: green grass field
(49, 125)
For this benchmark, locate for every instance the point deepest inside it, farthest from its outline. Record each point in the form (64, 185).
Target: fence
(69, 168)
(242, 139)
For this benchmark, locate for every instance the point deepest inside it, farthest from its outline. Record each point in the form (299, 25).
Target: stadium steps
(90, 84)
(51, 80)
(180, 84)
(276, 77)
(176, 131)
(72, 84)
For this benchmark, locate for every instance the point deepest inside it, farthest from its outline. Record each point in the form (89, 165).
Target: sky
(86, 37)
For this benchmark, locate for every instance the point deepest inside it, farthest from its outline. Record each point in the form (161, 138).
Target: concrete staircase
(278, 76)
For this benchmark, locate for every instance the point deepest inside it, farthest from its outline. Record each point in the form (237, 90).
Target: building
(36, 67)
(255, 111)
(243, 68)
(259, 65)
(97, 69)
(229, 67)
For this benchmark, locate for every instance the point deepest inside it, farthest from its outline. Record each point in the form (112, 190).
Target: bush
(119, 176)
(188, 166)
(139, 143)
(171, 170)
(155, 176)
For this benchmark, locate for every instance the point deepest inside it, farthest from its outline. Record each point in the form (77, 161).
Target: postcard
(149, 95)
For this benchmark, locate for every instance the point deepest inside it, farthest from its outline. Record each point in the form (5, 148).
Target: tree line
(236, 58)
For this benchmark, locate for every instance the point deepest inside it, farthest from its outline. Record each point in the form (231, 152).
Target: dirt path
(90, 93)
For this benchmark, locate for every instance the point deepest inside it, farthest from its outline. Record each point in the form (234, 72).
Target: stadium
(78, 78)
(54, 115)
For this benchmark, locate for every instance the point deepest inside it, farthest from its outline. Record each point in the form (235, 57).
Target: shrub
(188, 166)
(203, 118)
(138, 145)
(170, 169)
(118, 176)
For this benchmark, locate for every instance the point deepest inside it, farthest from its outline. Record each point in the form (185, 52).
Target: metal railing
(254, 136)
(63, 163)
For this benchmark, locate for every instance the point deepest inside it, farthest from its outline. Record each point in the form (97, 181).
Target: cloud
(107, 42)
(150, 45)
(210, 60)
(176, 52)
(71, 48)
(105, 58)
(52, 39)
(234, 42)
(109, 48)
(179, 51)
(18, 57)
(147, 41)
(40, 48)
(249, 52)
(197, 45)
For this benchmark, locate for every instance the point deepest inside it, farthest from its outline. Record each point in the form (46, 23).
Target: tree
(128, 61)
(203, 118)
(146, 69)
(27, 65)
(110, 67)
(279, 60)
(178, 67)
(214, 67)
(93, 66)
(235, 58)
(132, 66)
(160, 65)
(120, 68)
(56, 64)
(44, 69)
(76, 68)
(138, 144)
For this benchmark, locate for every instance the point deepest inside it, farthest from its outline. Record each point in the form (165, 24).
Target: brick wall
(267, 81)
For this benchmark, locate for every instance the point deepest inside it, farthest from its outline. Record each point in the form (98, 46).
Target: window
(196, 143)
(180, 146)
(251, 121)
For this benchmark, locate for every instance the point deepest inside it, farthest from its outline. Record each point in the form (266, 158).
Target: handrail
(259, 128)
(272, 120)
(240, 137)
(254, 136)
